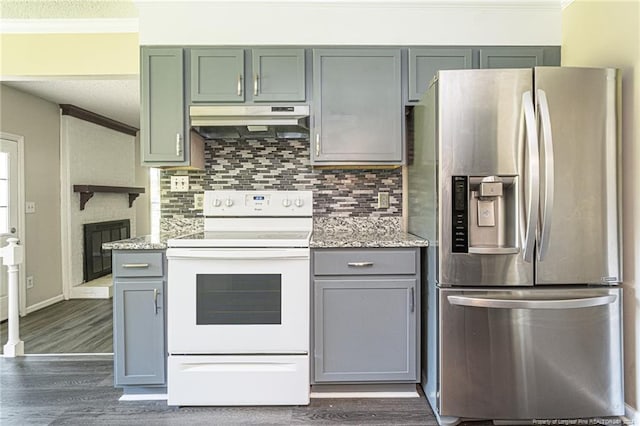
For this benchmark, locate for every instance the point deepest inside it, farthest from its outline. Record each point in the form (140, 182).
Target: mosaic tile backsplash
(284, 165)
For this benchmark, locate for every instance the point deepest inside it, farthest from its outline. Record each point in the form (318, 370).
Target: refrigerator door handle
(483, 302)
(549, 180)
(533, 178)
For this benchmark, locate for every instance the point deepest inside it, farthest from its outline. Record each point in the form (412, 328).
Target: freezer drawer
(530, 354)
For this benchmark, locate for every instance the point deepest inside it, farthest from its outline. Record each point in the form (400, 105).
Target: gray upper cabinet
(221, 75)
(424, 63)
(217, 75)
(511, 57)
(358, 110)
(278, 75)
(162, 125)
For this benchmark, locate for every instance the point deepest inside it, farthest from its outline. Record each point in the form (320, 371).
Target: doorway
(11, 196)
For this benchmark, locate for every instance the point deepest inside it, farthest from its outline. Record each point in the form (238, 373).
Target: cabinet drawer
(364, 262)
(138, 265)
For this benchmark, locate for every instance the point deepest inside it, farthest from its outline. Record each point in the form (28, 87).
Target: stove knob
(286, 202)
(299, 202)
(217, 202)
(229, 202)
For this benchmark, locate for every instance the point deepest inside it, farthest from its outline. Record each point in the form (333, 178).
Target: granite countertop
(336, 232)
(328, 232)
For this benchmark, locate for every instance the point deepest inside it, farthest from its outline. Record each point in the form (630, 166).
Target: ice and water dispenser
(484, 215)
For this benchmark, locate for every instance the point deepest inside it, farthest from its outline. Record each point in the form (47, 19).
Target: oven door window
(238, 299)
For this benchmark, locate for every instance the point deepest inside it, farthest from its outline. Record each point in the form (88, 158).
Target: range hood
(246, 121)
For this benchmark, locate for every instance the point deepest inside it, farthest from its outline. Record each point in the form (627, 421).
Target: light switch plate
(30, 207)
(179, 183)
(383, 200)
(198, 201)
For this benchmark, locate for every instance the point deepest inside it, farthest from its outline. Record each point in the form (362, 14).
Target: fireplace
(97, 262)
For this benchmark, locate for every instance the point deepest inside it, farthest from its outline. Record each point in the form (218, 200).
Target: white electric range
(238, 302)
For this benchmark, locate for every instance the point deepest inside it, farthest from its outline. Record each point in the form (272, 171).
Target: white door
(8, 208)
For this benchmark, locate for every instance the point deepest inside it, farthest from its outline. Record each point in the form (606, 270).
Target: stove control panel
(258, 203)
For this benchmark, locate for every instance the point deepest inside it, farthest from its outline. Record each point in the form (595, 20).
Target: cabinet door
(511, 57)
(217, 75)
(424, 63)
(162, 106)
(358, 106)
(278, 75)
(365, 329)
(139, 344)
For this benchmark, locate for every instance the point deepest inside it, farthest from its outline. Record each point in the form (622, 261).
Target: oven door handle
(235, 254)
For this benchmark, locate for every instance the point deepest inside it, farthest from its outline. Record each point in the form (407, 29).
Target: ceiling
(116, 99)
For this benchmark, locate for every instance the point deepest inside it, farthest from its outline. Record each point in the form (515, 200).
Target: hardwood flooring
(78, 390)
(70, 326)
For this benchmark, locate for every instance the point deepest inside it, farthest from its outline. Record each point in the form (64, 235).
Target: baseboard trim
(44, 304)
(144, 397)
(631, 415)
(81, 292)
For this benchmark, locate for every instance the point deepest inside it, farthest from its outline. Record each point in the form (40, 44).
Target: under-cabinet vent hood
(246, 121)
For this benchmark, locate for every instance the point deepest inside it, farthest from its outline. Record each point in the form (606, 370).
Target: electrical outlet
(198, 201)
(30, 282)
(179, 183)
(383, 200)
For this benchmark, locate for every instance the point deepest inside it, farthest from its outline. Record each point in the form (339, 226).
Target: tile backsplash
(284, 165)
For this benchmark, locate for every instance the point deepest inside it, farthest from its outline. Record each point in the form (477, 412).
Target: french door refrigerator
(514, 181)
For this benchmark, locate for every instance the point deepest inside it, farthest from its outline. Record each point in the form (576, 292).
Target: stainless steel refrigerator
(514, 181)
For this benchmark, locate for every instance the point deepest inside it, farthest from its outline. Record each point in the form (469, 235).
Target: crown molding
(68, 26)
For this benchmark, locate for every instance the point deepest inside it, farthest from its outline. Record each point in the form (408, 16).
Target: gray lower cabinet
(139, 318)
(425, 62)
(162, 121)
(358, 111)
(365, 313)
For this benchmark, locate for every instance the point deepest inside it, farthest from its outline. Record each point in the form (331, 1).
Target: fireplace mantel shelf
(87, 191)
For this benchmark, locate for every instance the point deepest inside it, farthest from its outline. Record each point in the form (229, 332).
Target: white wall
(94, 155)
(607, 33)
(360, 22)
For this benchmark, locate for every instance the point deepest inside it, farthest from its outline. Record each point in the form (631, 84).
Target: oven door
(238, 301)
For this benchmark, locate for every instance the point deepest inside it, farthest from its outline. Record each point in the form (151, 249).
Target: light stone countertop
(335, 232)
(328, 232)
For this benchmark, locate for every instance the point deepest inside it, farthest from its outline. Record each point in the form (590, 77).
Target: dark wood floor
(78, 390)
(70, 326)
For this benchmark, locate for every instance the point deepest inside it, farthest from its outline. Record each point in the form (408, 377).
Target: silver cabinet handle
(255, 85)
(239, 84)
(178, 145)
(531, 133)
(155, 301)
(360, 264)
(412, 301)
(549, 180)
(317, 144)
(482, 302)
(135, 265)
(494, 250)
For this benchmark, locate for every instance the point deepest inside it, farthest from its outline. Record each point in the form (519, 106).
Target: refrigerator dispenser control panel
(460, 228)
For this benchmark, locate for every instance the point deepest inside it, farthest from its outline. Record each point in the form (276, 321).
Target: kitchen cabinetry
(139, 318)
(162, 110)
(366, 304)
(358, 110)
(425, 62)
(219, 75)
(511, 57)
